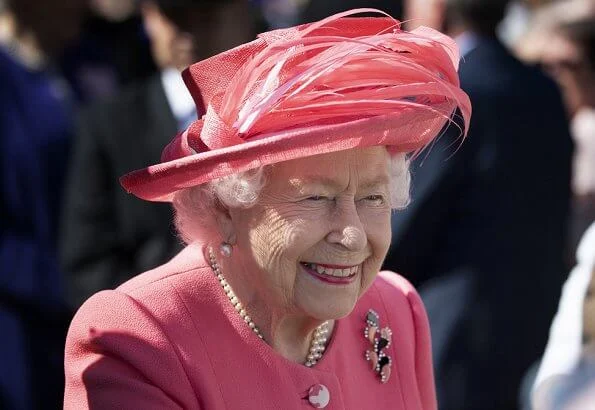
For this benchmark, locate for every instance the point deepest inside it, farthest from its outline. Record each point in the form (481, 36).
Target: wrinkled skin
(329, 209)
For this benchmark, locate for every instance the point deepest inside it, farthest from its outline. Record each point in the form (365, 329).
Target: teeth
(340, 273)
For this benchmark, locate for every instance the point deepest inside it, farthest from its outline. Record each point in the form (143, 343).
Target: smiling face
(318, 235)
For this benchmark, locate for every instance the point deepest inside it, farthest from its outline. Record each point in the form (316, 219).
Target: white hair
(194, 207)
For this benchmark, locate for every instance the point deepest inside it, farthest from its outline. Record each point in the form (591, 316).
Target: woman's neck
(289, 333)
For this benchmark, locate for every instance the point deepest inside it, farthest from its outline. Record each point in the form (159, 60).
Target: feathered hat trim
(336, 84)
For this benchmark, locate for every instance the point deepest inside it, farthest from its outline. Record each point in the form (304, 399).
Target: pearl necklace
(318, 343)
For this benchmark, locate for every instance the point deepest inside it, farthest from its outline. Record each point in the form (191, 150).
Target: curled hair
(195, 217)
(400, 181)
(194, 207)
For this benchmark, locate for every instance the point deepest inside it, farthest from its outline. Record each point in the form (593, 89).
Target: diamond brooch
(380, 340)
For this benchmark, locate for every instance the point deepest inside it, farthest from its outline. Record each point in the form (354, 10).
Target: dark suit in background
(108, 235)
(485, 232)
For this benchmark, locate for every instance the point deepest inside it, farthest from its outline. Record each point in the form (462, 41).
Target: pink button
(319, 396)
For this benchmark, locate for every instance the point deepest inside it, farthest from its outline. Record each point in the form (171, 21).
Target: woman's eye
(317, 198)
(376, 199)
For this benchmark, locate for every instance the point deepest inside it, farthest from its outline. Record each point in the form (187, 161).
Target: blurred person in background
(571, 344)
(579, 393)
(114, 10)
(561, 38)
(35, 132)
(317, 9)
(517, 20)
(108, 236)
(576, 391)
(284, 13)
(486, 228)
(113, 51)
(571, 61)
(281, 13)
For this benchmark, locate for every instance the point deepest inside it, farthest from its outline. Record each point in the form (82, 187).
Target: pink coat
(170, 339)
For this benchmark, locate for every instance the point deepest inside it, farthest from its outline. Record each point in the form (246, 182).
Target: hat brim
(407, 130)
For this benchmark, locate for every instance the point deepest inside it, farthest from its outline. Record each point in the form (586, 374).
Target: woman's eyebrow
(328, 182)
(379, 181)
(315, 180)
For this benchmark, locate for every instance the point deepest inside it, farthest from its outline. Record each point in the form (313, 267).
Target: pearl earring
(225, 249)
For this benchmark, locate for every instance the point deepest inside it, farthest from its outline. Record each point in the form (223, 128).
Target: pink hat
(336, 84)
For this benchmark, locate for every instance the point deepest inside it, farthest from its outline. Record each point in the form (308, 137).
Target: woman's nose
(347, 229)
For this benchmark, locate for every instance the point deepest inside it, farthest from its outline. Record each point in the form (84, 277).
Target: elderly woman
(283, 192)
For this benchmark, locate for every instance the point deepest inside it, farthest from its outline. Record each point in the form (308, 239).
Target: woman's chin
(323, 314)
(326, 298)
(328, 307)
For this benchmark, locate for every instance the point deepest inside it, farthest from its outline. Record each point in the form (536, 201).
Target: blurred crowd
(91, 89)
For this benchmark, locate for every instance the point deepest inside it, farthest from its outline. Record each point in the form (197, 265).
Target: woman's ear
(225, 223)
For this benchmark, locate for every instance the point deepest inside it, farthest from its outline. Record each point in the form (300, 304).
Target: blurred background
(499, 238)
